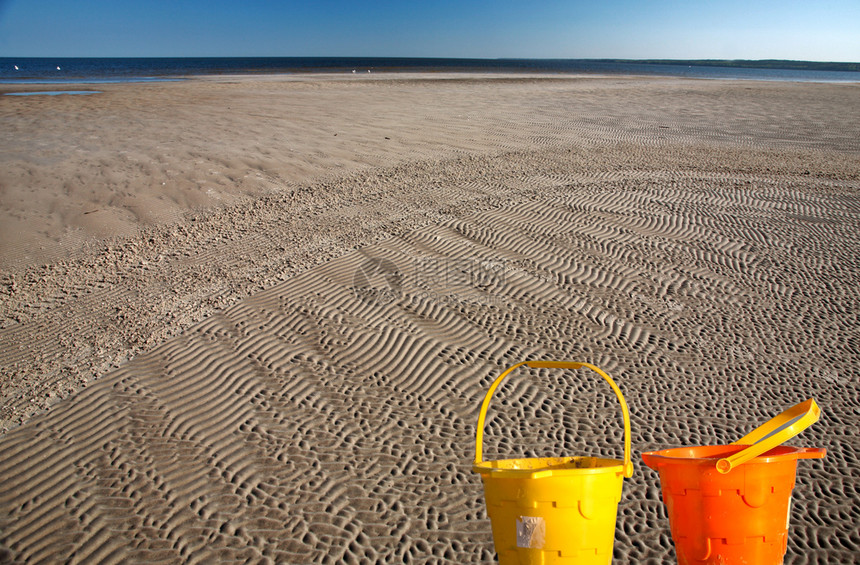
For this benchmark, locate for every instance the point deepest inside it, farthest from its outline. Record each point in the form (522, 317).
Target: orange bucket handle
(479, 438)
(772, 433)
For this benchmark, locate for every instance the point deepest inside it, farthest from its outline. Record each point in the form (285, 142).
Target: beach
(253, 318)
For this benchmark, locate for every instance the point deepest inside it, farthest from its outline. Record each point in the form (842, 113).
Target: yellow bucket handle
(479, 438)
(772, 433)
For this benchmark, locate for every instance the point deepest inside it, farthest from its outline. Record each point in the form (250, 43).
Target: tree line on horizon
(751, 64)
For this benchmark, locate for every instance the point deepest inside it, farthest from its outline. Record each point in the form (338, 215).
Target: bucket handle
(479, 438)
(773, 433)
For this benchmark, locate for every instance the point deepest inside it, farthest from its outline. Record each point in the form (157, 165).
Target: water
(108, 70)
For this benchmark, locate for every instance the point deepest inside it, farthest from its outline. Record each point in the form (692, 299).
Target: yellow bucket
(553, 509)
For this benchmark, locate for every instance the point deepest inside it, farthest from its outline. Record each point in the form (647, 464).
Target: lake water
(108, 70)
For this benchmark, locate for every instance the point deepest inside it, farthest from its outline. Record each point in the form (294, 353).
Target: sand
(252, 319)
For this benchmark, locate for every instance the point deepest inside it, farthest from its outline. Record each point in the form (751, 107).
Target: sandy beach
(252, 319)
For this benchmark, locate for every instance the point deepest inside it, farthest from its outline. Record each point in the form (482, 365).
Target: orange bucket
(726, 507)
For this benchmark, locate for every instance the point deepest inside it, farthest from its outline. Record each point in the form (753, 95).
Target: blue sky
(691, 29)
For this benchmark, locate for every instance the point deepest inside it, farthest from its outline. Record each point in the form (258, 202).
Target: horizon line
(461, 58)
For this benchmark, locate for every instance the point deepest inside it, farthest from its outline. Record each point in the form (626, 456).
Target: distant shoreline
(782, 64)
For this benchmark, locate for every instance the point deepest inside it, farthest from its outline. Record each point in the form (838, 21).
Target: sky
(668, 29)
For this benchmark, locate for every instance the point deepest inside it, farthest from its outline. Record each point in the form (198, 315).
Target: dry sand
(276, 303)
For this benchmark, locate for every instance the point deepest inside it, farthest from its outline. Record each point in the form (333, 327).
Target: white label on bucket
(531, 531)
(788, 514)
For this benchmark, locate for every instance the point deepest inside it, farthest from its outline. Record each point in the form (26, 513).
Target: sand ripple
(311, 423)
